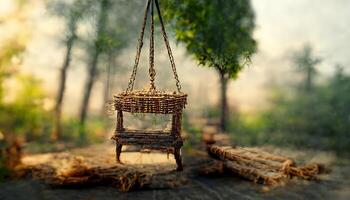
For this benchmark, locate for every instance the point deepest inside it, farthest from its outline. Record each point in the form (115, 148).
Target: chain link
(138, 51)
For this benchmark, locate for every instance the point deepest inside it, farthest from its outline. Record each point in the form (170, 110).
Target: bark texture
(223, 101)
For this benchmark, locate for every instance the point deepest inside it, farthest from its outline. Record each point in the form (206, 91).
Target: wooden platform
(148, 139)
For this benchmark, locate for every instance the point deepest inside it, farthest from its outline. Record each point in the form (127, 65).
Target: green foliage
(70, 137)
(306, 63)
(318, 118)
(10, 56)
(112, 24)
(111, 41)
(4, 172)
(108, 38)
(10, 50)
(194, 134)
(217, 33)
(95, 131)
(25, 115)
(211, 112)
(72, 13)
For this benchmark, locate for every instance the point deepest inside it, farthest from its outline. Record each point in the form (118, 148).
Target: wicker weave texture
(143, 102)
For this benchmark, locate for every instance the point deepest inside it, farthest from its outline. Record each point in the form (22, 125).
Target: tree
(99, 45)
(118, 40)
(306, 62)
(72, 14)
(113, 31)
(318, 119)
(219, 34)
(11, 50)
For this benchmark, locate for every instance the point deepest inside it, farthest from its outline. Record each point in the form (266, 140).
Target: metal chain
(171, 58)
(152, 71)
(138, 51)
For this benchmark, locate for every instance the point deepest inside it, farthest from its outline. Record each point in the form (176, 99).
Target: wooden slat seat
(143, 132)
(152, 138)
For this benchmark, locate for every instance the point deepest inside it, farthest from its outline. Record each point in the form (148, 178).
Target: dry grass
(95, 166)
(70, 170)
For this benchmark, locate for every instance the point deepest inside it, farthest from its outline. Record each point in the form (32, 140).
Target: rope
(138, 51)
(171, 58)
(152, 71)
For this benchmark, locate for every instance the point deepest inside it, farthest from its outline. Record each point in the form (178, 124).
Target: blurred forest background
(60, 61)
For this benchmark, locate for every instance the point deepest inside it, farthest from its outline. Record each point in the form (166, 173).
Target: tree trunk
(92, 74)
(87, 93)
(223, 101)
(107, 85)
(308, 84)
(61, 89)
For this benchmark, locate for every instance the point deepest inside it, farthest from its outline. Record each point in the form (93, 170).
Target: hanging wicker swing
(151, 101)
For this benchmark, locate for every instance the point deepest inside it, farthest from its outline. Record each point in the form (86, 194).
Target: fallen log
(260, 166)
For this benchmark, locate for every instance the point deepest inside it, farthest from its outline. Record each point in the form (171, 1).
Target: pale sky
(283, 26)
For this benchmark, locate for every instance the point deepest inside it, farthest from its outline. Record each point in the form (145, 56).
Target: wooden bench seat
(154, 139)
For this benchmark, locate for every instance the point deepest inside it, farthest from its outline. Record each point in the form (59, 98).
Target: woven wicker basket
(146, 102)
(151, 101)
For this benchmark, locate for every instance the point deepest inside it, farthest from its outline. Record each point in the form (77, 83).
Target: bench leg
(118, 151)
(178, 158)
